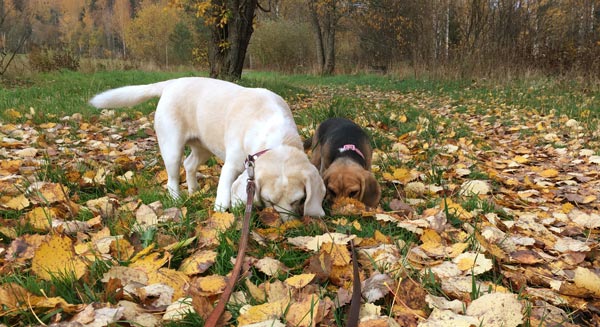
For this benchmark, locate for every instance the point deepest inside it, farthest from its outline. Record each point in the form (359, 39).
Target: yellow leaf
(457, 248)
(12, 113)
(340, 256)
(520, 159)
(47, 125)
(475, 263)
(549, 173)
(262, 312)
(173, 278)
(456, 209)
(41, 218)
(257, 293)
(198, 263)
(404, 175)
(48, 192)
(466, 263)
(587, 279)
(56, 258)
(151, 262)
(15, 298)
(210, 285)
(567, 207)
(16, 203)
(221, 220)
(431, 236)
(381, 238)
(589, 199)
(300, 281)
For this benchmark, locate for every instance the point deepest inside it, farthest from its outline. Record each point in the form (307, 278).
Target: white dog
(230, 121)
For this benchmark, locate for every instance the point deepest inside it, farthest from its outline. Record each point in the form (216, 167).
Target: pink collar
(351, 147)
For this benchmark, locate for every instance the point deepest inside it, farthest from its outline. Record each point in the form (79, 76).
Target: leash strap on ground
(216, 314)
(356, 291)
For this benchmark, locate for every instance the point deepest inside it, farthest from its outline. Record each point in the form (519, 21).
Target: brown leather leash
(353, 314)
(217, 312)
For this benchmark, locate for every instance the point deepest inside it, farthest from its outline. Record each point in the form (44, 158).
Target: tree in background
(182, 41)
(149, 33)
(15, 31)
(231, 26)
(324, 17)
(461, 37)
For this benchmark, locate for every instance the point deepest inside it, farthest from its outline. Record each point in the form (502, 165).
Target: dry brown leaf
(491, 309)
(314, 243)
(339, 253)
(178, 310)
(303, 313)
(376, 287)
(270, 266)
(475, 263)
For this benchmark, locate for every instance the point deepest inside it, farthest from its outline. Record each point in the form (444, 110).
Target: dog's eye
(353, 194)
(330, 191)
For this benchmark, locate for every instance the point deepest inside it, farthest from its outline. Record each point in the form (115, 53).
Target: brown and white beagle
(342, 152)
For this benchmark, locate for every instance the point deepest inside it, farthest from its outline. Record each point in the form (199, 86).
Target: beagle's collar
(351, 147)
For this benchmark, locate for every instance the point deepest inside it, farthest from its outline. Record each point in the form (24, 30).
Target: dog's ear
(371, 192)
(238, 190)
(315, 192)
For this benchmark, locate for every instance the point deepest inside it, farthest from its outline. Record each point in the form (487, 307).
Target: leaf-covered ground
(489, 216)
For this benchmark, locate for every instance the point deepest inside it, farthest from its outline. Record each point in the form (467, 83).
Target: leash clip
(249, 163)
(250, 167)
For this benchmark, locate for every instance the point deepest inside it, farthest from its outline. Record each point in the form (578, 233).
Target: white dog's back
(128, 96)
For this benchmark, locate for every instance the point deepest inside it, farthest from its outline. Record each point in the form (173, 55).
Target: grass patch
(412, 125)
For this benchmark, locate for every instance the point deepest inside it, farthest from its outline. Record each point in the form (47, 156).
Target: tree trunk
(329, 67)
(324, 23)
(230, 39)
(318, 37)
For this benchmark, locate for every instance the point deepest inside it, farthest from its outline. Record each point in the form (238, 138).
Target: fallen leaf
(491, 310)
(270, 266)
(587, 279)
(56, 258)
(198, 262)
(299, 281)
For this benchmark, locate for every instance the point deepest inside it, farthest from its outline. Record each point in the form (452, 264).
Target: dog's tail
(128, 96)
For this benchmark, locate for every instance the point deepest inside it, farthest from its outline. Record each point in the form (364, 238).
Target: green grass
(392, 110)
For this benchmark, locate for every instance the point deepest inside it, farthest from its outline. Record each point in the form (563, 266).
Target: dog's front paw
(222, 204)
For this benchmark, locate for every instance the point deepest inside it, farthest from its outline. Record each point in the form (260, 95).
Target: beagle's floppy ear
(370, 190)
(315, 192)
(238, 190)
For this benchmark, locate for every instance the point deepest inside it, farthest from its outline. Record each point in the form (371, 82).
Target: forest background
(451, 38)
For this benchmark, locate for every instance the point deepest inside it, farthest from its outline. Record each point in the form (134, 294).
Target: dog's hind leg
(198, 156)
